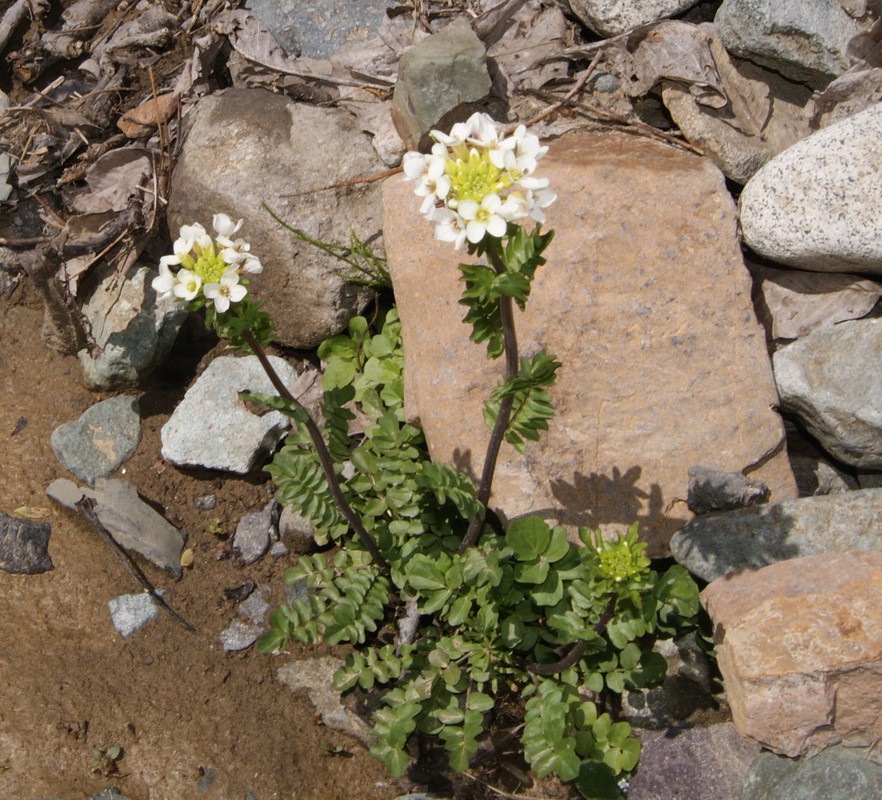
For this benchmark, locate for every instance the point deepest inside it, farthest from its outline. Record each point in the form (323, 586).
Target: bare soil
(192, 721)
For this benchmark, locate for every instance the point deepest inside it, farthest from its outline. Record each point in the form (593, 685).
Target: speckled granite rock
(816, 205)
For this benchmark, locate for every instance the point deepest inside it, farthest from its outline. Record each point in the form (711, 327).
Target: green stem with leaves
(321, 450)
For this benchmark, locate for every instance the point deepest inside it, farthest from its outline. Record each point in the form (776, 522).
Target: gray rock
(687, 688)
(278, 550)
(751, 538)
(815, 206)
(253, 533)
(247, 147)
(134, 330)
(129, 612)
(692, 764)
(104, 437)
(318, 28)
(838, 773)
(24, 545)
(316, 676)
(132, 523)
(792, 303)
(296, 532)
(441, 80)
(612, 17)
(239, 635)
(832, 379)
(253, 608)
(712, 490)
(848, 95)
(212, 428)
(805, 40)
(205, 502)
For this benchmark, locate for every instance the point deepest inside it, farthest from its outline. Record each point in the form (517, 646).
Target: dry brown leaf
(113, 179)
(525, 50)
(667, 50)
(143, 118)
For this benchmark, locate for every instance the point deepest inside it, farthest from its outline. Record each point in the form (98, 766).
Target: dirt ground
(181, 709)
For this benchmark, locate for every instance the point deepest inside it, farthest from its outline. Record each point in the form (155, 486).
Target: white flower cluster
(473, 183)
(213, 267)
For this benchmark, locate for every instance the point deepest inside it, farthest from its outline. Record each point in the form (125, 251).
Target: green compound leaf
(532, 407)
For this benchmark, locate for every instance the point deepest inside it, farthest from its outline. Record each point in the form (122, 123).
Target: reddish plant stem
(322, 451)
(497, 435)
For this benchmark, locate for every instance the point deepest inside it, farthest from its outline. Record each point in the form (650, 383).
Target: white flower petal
(224, 225)
(164, 283)
(497, 226)
(475, 231)
(468, 209)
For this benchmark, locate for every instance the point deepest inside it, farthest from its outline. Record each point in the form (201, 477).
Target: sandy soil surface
(192, 721)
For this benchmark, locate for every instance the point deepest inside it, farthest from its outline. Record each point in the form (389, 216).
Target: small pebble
(129, 612)
(205, 502)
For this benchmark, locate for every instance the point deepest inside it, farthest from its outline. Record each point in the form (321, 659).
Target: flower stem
(497, 435)
(321, 450)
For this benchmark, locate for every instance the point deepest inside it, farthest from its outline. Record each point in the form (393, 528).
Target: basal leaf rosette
(205, 269)
(474, 183)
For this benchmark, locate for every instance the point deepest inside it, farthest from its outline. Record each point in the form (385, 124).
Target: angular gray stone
(132, 523)
(441, 80)
(612, 17)
(24, 545)
(316, 676)
(129, 612)
(212, 428)
(318, 28)
(711, 490)
(253, 533)
(692, 764)
(838, 773)
(815, 206)
(239, 635)
(750, 538)
(632, 302)
(792, 303)
(134, 330)
(805, 40)
(686, 688)
(100, 440)
(247, 147)
(296, 531)
(848, 95)
(832, 380)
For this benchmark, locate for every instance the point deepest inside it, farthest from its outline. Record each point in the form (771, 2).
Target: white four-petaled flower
(474, 183)
(208, 266)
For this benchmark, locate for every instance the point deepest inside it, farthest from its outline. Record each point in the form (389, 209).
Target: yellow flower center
(474, 177)
(207, 264)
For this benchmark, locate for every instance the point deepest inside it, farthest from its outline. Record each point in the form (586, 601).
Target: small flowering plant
(212, 273)
(454, 617)
(477, 187)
